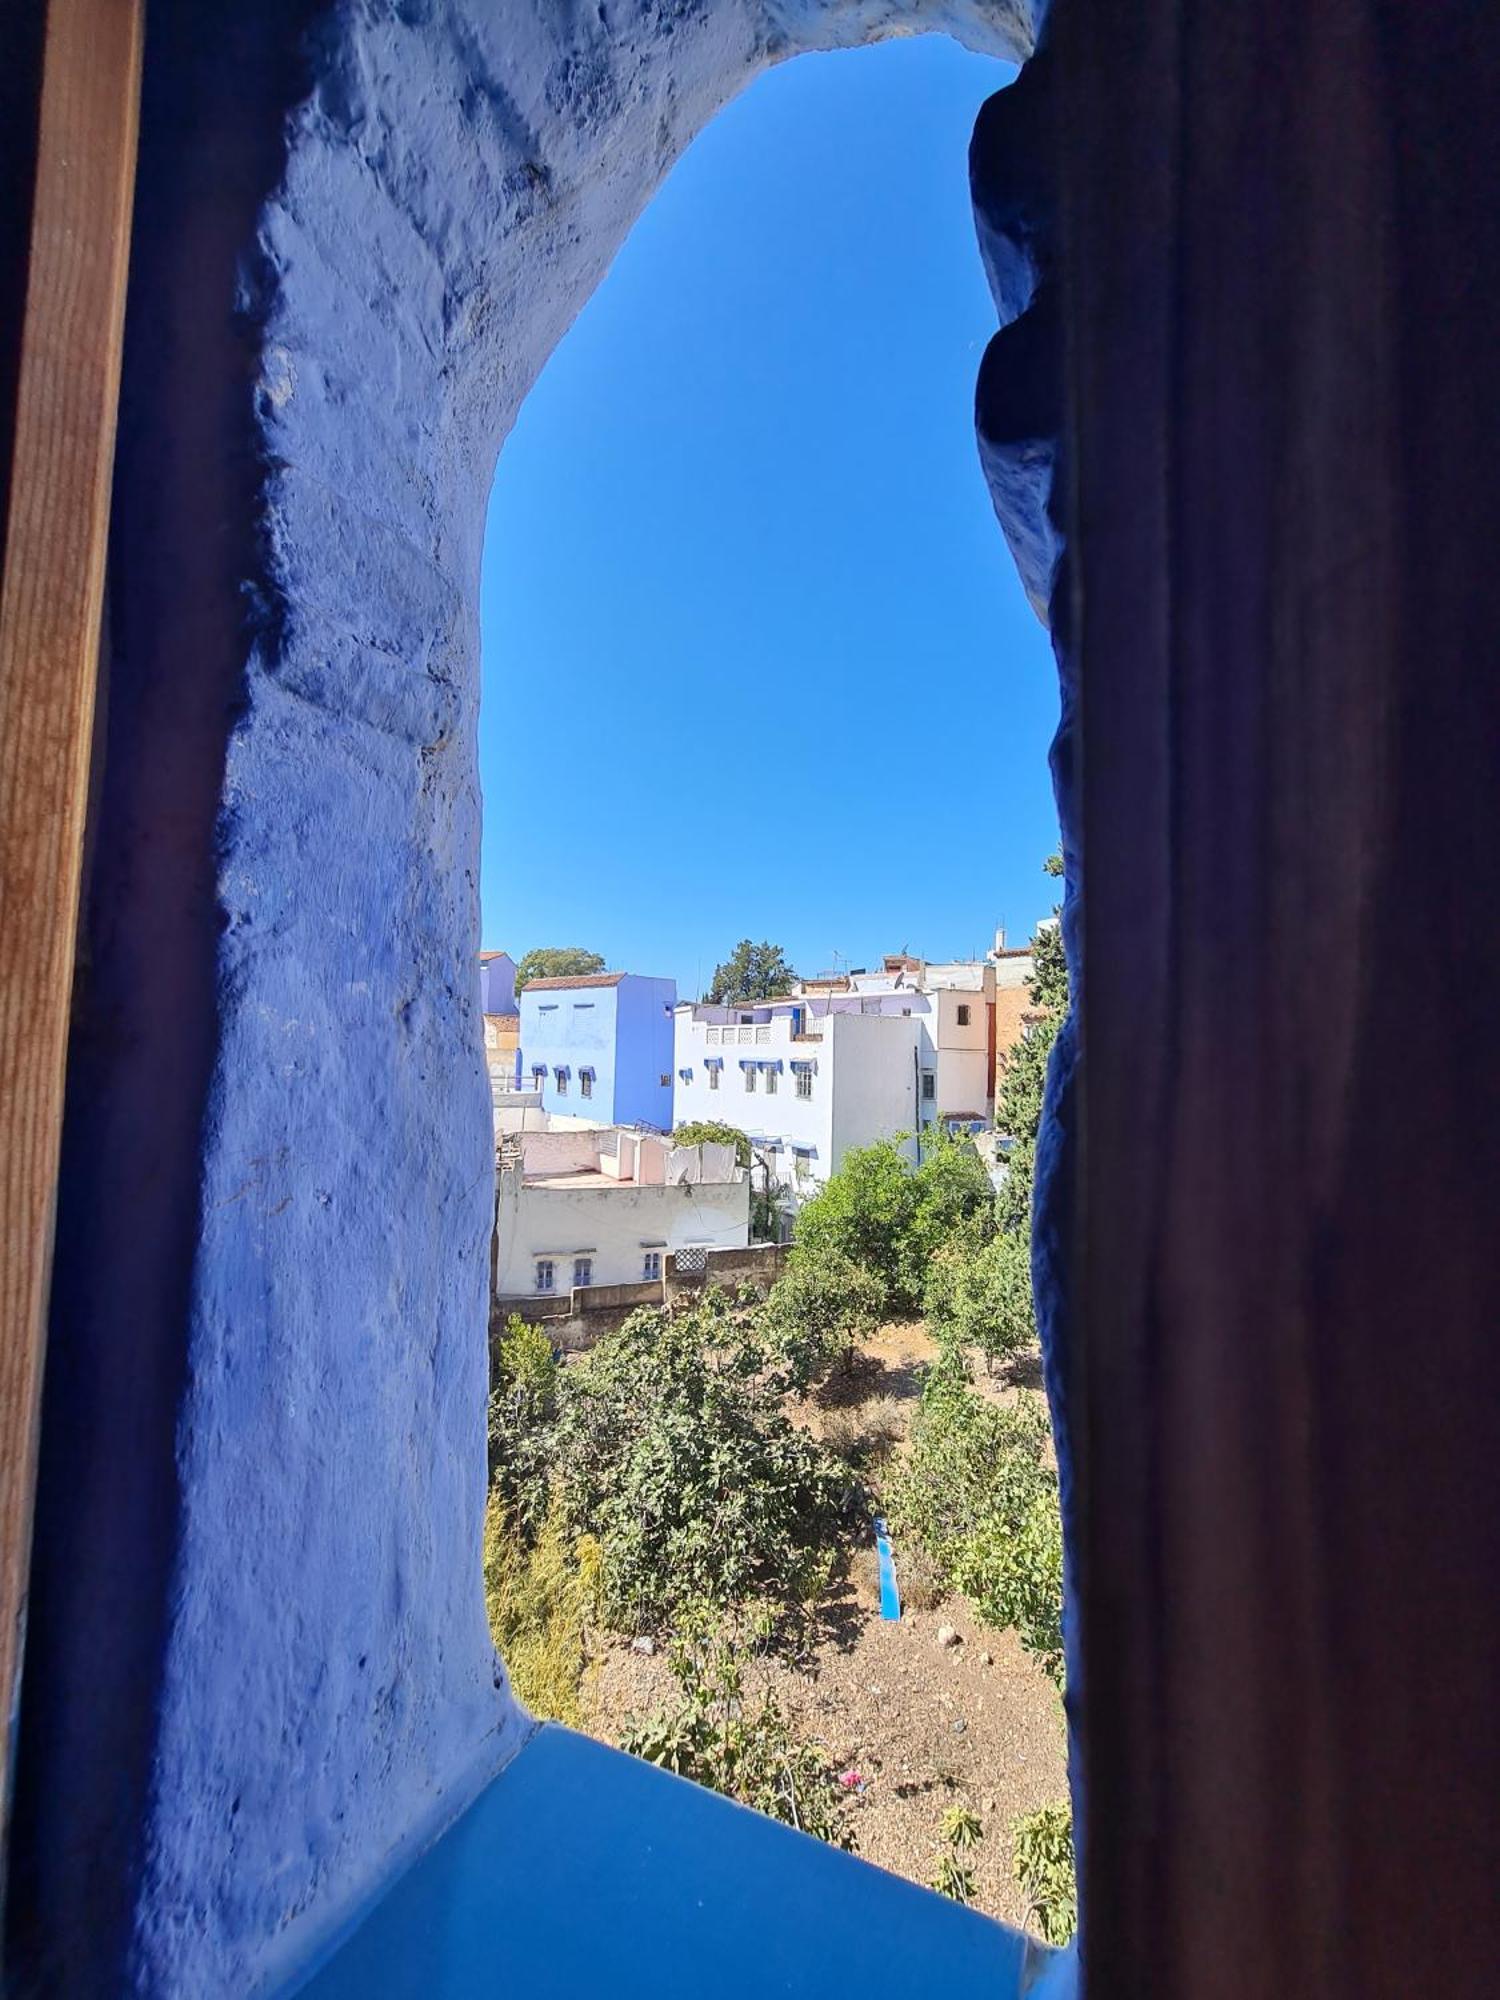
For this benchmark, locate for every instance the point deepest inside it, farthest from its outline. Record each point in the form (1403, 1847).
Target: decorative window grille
(749, 1074)
(770, 1083)
(804, 1083)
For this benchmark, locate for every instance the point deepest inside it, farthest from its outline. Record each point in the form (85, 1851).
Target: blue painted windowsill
(580, 1872)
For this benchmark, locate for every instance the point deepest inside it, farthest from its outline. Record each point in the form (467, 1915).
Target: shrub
(746, 1750)
(962, 1833)
(980, 1295)
(863, 1215)
(921, 1581)
(977, 1491)
(537, 1598)
(523, 1404)
(709, 1132)
(672, 1449)
(951, 1192)
(891, 1219)
(822, 1304)
(1042, 1861)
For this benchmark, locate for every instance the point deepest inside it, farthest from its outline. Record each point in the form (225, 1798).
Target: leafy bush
(979, 1295)
(822, 1304)
(863, 1214)
(951, 1193)
(523, 1404)
(710, 1132)
(1042, 1861)
(537, 1597)
(883, 1214)
(670, 1446)
(746, 1750)
(977, 1491)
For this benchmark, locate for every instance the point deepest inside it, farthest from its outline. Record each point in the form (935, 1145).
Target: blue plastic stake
(890, 1596)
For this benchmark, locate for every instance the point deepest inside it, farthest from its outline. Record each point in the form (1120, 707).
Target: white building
(954, 1005)
(803, 1082)
(575, 1209)
(842, 1062)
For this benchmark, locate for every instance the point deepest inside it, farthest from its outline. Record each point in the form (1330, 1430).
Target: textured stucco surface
(260, 1670)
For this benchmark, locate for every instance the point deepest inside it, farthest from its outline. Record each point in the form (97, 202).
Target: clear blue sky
(743, 586)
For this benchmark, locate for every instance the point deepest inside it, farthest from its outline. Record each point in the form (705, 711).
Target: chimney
(999, 940)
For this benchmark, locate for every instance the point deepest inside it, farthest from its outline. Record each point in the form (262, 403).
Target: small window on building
(666, 1079)
(963, 1015)
(651, 1266)
(770, 1083)
(583, 1271)
(586, 1083)
(713, 1079)
(804, 1083)
(562, 1083)
(750, 1077)
(929, 1086)
(546, 1275)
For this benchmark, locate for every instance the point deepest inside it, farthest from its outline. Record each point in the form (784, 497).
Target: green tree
(822, 1304)
(880, 1212)
(672, 1448)
(978, 1294)
(752, 972)
(556, 962)
(951, 1192)
(864, 1213)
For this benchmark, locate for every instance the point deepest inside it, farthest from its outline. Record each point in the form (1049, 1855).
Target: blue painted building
(600, 1045)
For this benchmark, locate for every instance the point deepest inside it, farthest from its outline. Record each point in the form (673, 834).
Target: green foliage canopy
(978, 1491)
(751, 972)
(556, 962)
(709, 1132)
(823, 1303)
(523, 1404)
(671, 1447)
(880, 1212)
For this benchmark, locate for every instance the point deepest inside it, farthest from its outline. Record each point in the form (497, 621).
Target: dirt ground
(925, 1726)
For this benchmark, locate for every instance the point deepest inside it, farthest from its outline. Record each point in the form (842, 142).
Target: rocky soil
(925, 1722)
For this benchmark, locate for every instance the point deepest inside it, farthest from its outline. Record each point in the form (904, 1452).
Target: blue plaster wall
(258, 1670)
(572, 1026)
(497, 984)
(641, 1098)
(623, 1031)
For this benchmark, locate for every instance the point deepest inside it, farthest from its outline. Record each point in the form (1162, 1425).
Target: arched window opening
(758, 665)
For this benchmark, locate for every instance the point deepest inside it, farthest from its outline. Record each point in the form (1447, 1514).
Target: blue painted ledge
(583, 1872)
